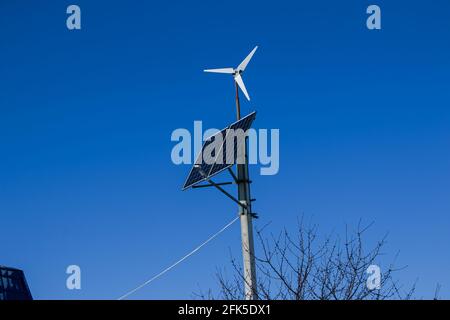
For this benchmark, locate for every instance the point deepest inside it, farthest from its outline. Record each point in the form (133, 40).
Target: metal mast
(246, 216)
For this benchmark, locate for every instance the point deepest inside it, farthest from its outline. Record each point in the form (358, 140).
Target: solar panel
(225, 157)
(196, 174)
(230, 155)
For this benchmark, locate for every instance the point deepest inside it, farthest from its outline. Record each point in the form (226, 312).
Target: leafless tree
(300, 266)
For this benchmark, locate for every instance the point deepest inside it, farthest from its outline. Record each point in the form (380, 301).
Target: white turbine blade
(222, 70)
(245, 62)
(241, 85)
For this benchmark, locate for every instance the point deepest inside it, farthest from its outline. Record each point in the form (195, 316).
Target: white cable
(179, 261)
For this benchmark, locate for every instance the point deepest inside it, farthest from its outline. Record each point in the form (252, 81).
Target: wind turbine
(236, 72)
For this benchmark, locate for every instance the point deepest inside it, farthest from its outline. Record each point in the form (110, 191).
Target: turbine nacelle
(236, 72)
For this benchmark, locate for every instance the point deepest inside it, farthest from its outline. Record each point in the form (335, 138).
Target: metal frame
(218, 186)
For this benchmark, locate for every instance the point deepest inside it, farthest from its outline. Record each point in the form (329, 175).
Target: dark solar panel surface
(227, 156)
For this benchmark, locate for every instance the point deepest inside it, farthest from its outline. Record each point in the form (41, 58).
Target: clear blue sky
(86, 118)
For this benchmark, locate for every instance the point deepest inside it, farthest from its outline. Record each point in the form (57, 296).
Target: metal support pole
(245, 210)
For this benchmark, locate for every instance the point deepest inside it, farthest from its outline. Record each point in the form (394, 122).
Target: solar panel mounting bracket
(218, 187)
(227, 194)
(211, 185)
(233, 175)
